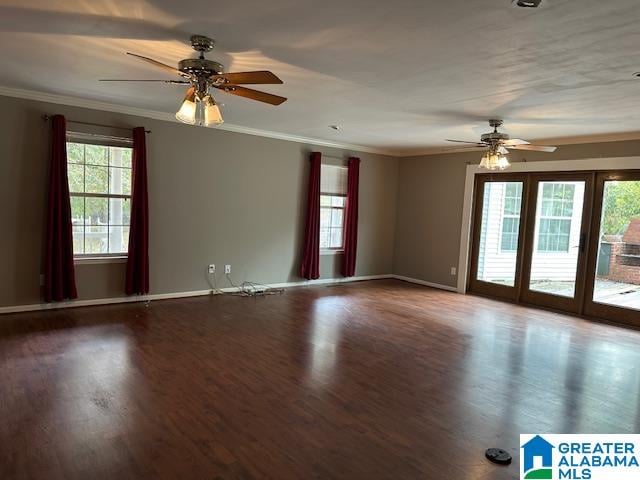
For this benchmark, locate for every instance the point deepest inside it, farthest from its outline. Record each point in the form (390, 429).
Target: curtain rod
(46, 117)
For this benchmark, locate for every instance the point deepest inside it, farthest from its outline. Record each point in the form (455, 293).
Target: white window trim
(502, 250)
(98, 259)
(107, 141)
(337, 250)
(504, 215)
(331, 251)
(555, 217)
(97, 139)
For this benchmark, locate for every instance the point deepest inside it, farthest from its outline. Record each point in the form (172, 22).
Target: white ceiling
(401, 75)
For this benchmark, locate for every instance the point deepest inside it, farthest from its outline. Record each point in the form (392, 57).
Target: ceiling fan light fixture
(187, 111)
(202, 74)
(212, 114)
(494, 161)
(503, 162)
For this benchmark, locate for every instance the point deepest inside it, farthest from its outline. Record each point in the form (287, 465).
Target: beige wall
(214, 197)
(430, 202)
(228, 198)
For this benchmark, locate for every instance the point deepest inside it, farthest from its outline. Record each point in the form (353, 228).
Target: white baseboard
(197, 293)
(165, 296)
(329, 281)
(425, 283)
(101, 301)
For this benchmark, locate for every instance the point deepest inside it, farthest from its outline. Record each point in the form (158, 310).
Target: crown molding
(168, 117)
(595, 138)
(394, 152)
(575, 140)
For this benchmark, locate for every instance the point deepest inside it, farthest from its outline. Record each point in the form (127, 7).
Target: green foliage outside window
(100, 187)
(621, 204)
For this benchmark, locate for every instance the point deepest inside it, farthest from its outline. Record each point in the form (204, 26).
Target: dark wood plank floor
(375, 380)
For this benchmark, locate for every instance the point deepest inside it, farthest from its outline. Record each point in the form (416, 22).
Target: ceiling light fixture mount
(200, 43)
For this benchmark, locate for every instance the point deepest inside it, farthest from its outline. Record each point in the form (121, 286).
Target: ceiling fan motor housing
(200, 66)
(494, 137)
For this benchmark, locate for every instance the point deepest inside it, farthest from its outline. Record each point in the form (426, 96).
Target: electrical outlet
(212, 268)
(454, 271)
(227, 269)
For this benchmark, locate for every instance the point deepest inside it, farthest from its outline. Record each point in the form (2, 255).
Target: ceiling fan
(498, 145)
(201, 75)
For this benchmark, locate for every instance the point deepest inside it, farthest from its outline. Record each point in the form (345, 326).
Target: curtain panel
(310, 267)
(137, 279)
(59, 273)
(351, 219)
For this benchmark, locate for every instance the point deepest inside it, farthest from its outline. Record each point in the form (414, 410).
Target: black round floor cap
(499, 456)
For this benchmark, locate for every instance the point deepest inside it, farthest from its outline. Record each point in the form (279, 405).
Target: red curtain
(310, 268)
(59, 273)
(351, 219)
(138, 258)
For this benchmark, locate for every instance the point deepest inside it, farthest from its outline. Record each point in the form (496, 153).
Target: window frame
(333, 185)
(109, 142)
(557, 218)
(333, 250)
(511, 216)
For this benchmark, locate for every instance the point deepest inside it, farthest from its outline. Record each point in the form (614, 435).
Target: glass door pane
(557, 237)
(617, 279)
(497, 250)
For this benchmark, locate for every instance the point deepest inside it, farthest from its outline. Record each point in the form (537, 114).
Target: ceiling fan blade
(173, 82)
(253, 94)
(260, 77)
(480, 144)
(515, 141)
(164, 66)
(533, 148)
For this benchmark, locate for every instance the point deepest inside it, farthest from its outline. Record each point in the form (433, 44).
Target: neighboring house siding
(500, 266)
(496, 264)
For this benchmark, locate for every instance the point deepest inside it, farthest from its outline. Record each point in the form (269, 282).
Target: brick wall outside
(624, 269)
(624, 265)
(632, 235)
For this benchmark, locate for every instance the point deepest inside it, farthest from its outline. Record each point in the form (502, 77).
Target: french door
(568, 241)
(557, 232)
(613, 289)
(496, 260)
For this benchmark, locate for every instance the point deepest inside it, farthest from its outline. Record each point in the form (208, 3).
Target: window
(511, 217)
(100, 190)
(556, 212)
(332, 222)
(333, 199)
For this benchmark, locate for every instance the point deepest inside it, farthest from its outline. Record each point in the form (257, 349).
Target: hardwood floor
(372, 380)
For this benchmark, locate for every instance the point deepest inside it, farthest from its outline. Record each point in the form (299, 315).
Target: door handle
(583, 241)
